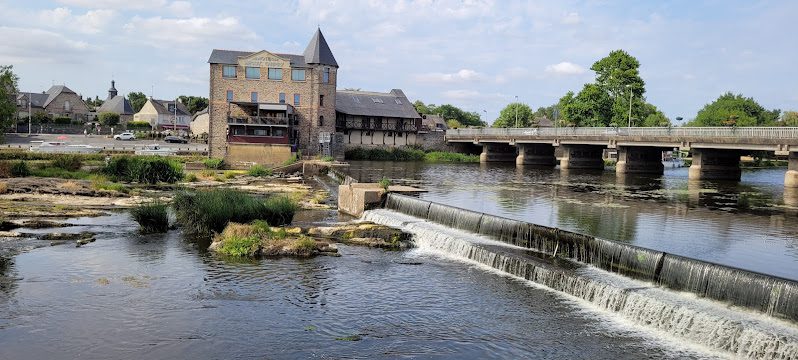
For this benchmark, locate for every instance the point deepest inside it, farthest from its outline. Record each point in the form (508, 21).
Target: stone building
(374, 119)
(199, 123)
(58, 101)
(117, 104)
(165, 115)
(263, 105)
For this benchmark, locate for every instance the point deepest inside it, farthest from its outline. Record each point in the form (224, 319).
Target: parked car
(175, 139)
(125, 136)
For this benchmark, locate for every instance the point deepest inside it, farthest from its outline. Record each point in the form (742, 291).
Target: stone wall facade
(312, 116)
(77, 108)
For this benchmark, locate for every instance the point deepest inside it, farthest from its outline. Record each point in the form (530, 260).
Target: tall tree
(790, 118)
(194, 103)
(137, 100)
(515, 115)
(8, 95)
(423, 109)
(735, 110)
(451, 112)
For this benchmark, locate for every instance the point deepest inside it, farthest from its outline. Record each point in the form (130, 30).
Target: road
(24, 141)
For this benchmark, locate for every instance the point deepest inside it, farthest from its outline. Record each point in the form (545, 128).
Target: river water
(131, 296)
(751, 224)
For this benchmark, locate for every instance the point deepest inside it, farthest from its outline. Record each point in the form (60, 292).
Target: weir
(774, 296)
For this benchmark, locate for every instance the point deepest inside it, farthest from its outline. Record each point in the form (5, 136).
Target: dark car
(175, 139)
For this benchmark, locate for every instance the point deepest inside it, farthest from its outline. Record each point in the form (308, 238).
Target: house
(373, 118)
(164, 115)
(431, 122)
(58, 101)
(117, 104)
(263, 105)
(199, 123)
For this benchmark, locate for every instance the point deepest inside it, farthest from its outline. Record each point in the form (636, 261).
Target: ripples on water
(157, 296)
(749, 224)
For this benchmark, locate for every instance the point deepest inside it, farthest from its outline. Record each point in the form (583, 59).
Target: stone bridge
(716, 150)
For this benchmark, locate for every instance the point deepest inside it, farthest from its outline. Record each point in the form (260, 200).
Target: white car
(125, 136)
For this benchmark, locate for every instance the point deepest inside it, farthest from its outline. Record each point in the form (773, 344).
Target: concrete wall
(433, 141)
(264, 154)
(360, 138)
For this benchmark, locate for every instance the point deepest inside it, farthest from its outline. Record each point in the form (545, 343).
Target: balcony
(261, 120)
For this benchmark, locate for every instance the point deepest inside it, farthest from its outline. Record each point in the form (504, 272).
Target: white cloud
(185, 79)
(181, 8)
(166, 32)
(565, 68)
(461, 94)
(92, 22)
(571, 18)
(39, 46)
(116, 4)
(461, 76)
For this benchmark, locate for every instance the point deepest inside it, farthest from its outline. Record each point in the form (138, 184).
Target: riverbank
(408, 154)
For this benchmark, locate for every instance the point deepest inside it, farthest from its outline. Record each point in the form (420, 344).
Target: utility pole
(516, 111)
(29, 112)
(630, 107)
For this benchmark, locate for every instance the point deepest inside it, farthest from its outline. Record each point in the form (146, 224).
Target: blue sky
(477, 55)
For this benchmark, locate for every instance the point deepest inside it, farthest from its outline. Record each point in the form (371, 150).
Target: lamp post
(630, 105)
(516, 111)
(486, 115)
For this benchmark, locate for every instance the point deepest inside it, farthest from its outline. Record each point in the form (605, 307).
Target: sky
(478, 55)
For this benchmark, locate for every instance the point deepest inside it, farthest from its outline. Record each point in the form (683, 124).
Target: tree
(193, 103)
(735, 110)
(617, 73)
(423, 109)
(40, 117)
(137, 100)
(108, 118)
(451, 112)
(591, 107)
(790, 118)
(453, 124)
(8, 95)
(507, 117)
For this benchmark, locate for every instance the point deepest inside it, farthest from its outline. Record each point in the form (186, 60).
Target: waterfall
(771, 295)
(679, 315)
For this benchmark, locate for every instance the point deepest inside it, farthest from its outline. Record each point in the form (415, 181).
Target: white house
(164, 115)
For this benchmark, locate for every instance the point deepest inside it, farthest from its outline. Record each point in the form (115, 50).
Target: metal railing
(695, 132)
(259, 120)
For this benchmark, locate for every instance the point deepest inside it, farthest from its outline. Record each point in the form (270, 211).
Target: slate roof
(386, 104)
(162, 107)
(55, 91)
(36, 99)
(118, 104)
(230, 57)
(432, 122)
(318, 52)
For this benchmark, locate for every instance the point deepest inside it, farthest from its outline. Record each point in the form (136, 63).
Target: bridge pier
(497, 152)
(582, 157)
(791, 177)
(536, 155)
(715, 164)
(639, 160)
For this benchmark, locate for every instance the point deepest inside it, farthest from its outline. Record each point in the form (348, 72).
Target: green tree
(591, 107)
(137, 100)
(507, 117)
(790, 118)
(451, 112)
(547, 112)
(41, 117)
(617, 73)
(421, 108)
(193, 103)
(735, 110)
(109, 118)
(453, 124)
(8, 95)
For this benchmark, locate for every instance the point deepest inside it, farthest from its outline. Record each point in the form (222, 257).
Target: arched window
(67, 106)
(321, 120)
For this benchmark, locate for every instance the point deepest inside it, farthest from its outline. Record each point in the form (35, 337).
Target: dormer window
(377, 100)
(398, 102)
(171, 108)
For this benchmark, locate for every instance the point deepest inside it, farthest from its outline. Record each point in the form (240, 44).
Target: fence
(702, 132)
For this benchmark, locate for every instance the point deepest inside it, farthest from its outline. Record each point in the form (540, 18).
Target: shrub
(190, 177)
(138, 125)
(385, 183)
(207, 173)
(444, 156)
(67, 162)
(100, 182)
(381, 154)
(62, 120)
(144, 169)
(108, 118)
(20, 169)
(230, 174)
(280, 210)
(239, 246)
(152, 217)
(213, 163)
(259, 170)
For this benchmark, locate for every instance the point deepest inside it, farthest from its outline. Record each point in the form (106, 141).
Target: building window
(321, 120)
(282, 98)
(398, 102)
(296, 99)
(252, 72)
(325, 78)
(253, 97)
(275, 74)
(67, 106)
(298, 74)
(321, 100)
(171, 108)
(229, 71)
(229, 95)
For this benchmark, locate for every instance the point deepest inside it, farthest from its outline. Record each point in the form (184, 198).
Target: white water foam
(679, 319)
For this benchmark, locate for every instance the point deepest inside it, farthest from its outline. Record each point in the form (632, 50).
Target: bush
(258, 171)
(67, 162)
(385, 183)
(213, 163)
(230, 174)
(144, 169)
(138, 125)
(443, 156)
(380, 154)
(152, 217)
(203, 213)
(108, 118)
(62, 120)
(52, 172)
(20, 169)
(190, 177)
(27, 155)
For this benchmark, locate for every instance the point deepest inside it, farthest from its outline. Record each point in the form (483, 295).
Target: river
(749, 224)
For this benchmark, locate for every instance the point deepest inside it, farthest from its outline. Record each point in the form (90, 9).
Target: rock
(8, 225)
(364, 234)
(81, 242)
(11, 234)
(68, 236)
(42, 224)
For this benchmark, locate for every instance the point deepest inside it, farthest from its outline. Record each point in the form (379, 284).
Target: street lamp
(630, 104)
(486, 115)
(516, 111)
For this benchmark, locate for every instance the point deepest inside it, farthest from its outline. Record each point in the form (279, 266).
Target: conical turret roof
(318, 52)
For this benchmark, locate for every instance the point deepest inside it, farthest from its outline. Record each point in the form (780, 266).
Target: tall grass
(203, 213)
(70, 162)
(144, 169)
(407, 154)
(443, 156)
(213, 163)
(152, 217)
(258, 171)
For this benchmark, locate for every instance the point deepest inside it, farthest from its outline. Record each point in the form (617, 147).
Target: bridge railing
(701, 132)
